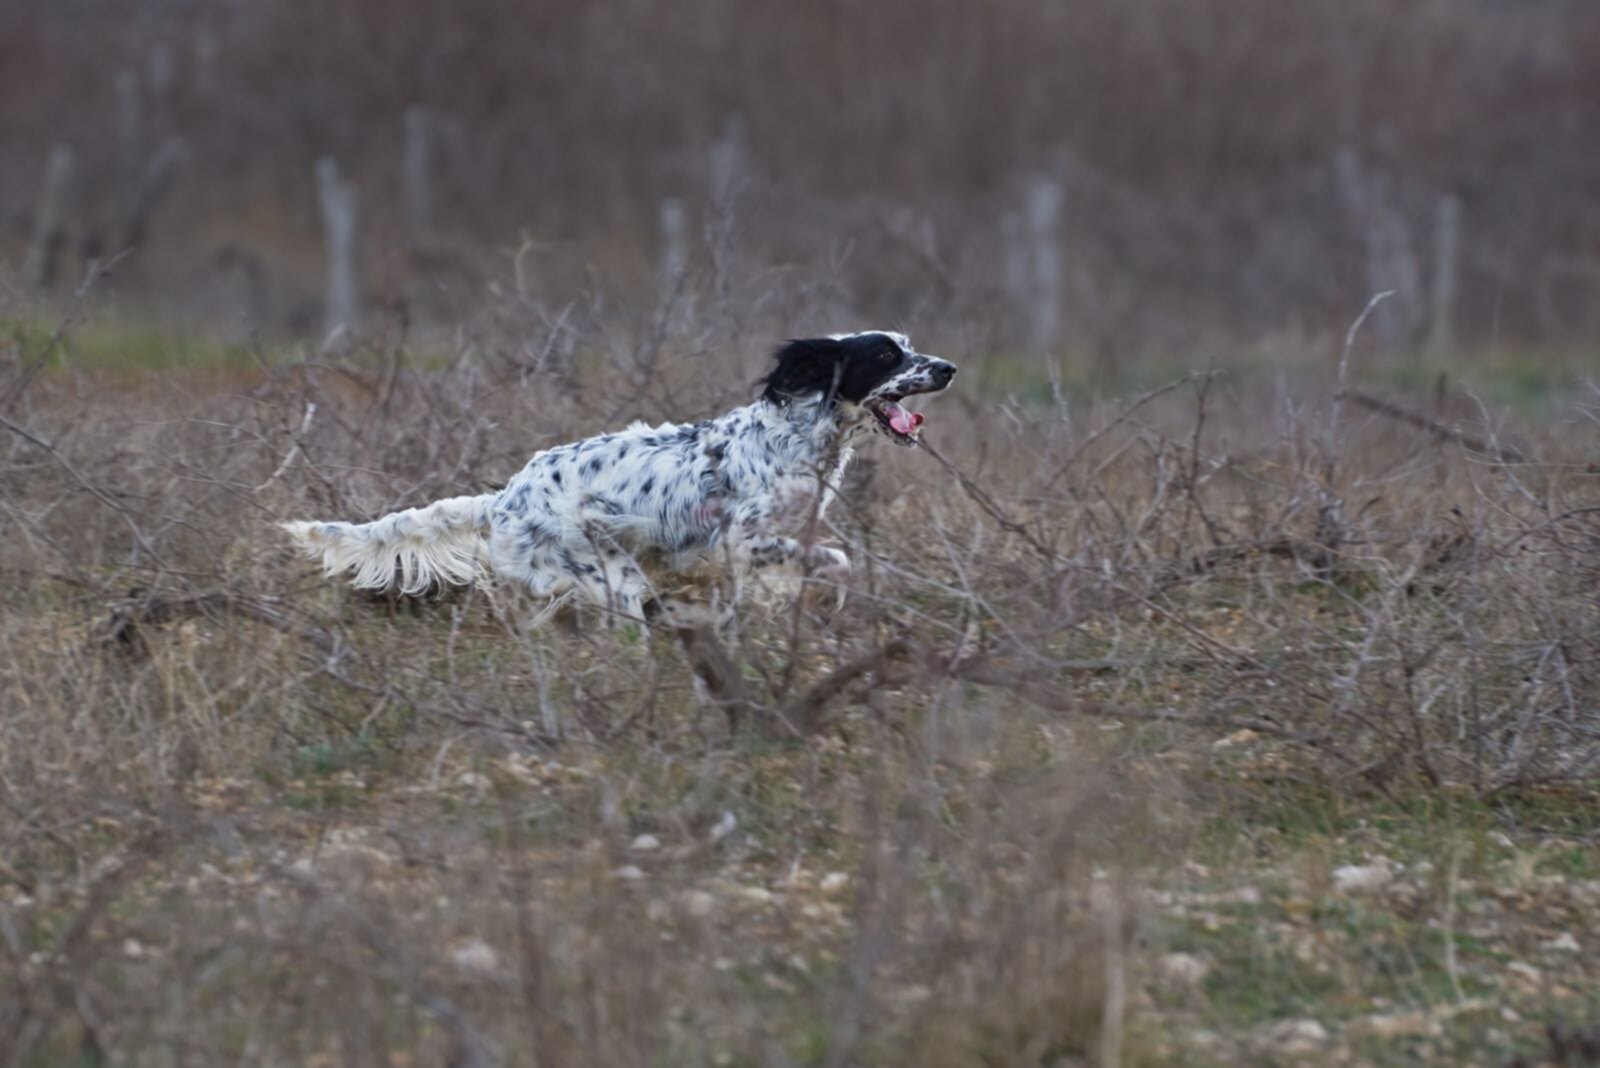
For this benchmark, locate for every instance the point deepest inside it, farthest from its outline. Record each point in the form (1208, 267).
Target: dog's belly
(551, 542)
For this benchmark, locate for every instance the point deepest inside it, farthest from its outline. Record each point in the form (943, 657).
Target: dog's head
(864, 376)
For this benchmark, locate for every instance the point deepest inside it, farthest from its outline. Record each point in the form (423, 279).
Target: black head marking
(847, 368)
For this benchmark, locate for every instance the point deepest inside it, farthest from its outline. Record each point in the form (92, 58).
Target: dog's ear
(809, 365)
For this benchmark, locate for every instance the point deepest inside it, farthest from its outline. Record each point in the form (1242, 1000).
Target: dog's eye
(889, 357)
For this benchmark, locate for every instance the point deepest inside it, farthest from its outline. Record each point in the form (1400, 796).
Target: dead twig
(1040, 687)
(1045, 692)
(1502, 453)
(987, 503)
(806, 712)
(154, 610)
(718, 671)
(95, 491)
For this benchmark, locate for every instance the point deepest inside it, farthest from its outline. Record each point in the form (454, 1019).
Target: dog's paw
(830, 563)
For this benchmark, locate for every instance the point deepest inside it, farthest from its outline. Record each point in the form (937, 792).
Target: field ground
(1215, 724)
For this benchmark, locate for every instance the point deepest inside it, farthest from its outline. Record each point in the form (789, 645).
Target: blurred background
(1107, 178)
(1193, 701)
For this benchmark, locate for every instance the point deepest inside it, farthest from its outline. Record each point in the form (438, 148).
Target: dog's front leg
(758, 553)
(829, 561)
(754, 549)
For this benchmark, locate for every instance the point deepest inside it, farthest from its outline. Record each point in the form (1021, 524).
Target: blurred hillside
(1108, 175)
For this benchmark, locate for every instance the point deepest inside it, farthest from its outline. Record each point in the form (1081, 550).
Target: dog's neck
(809, 429)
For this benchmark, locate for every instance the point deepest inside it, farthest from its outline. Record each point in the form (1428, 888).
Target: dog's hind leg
(615, 585)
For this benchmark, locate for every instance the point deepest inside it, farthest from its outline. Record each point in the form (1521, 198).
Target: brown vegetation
(252, 817)
(1206, 692)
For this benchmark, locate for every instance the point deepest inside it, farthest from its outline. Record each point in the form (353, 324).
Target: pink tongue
(904, 422)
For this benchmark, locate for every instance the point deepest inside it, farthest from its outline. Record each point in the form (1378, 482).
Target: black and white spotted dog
(604, 519)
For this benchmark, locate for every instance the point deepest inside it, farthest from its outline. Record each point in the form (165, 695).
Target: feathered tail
(440, 543)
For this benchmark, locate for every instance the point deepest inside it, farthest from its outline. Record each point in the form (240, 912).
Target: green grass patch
(114, 346)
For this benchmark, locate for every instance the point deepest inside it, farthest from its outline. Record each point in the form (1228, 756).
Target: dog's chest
(799, 493)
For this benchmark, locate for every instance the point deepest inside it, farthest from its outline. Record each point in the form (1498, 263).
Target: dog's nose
(943, 372)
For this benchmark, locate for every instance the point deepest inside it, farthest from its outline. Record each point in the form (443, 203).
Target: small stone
(1357, 878)
(1299, 1036)
(833, 882)
(1399, 1025)
(699, 904)
(476, 957)
(1183, 969)
(757, 895)
(724, 826)
(1525, 971)
(522, 768)
(1239, 737)
(1562, 943)
(629, 873)
(132, 947)
(645, 843)
(354, 865)
(471, 780)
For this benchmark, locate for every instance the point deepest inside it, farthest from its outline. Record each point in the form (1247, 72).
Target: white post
(1401, 272)
(1391, 258)
(152, 186)
(1379, 280)
(158, 68)
(49, 228)
(1044, 256)
(130, 116)
(1352, 186)
(674, 255)
(1015, 271)
(727, 160)
(418, 178)
(205, 61)
(726, 167)
(338, 200)
(1446, 246)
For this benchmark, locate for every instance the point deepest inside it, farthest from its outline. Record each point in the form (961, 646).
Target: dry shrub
(253, 817)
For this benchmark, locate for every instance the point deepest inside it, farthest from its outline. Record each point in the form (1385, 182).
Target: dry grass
(1117, 681)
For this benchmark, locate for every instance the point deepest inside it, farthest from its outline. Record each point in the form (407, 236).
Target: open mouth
(900, 423)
